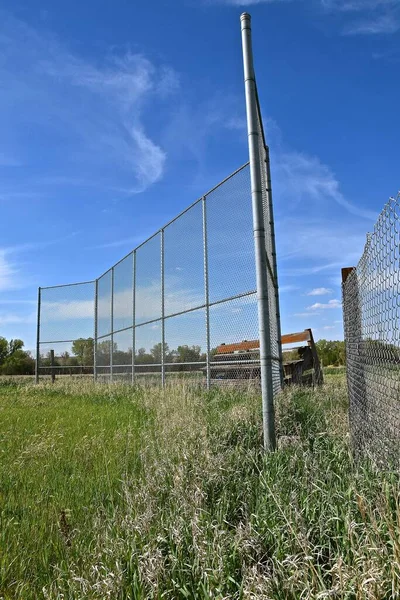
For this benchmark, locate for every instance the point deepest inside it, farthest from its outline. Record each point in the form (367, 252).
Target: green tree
(156, 351)
(187, 354)
(14, 345)
(18, 363)
(83, 349)
(331, 352)
(3, 350)
(13, 359)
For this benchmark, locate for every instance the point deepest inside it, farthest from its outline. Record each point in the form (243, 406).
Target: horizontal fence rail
(371, 310)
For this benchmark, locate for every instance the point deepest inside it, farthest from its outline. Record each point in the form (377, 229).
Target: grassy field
(112, 492)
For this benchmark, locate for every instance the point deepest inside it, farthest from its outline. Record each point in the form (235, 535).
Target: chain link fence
(182, 305)
(371, 307)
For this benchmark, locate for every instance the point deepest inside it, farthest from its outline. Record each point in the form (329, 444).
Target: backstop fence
(182, 304)
(371, 308)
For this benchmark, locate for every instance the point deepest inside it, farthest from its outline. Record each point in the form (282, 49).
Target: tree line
(330, 352)
(82, 355)
(14, 360)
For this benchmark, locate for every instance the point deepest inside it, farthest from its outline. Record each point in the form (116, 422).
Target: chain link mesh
(272, 274)
(371, 309)
(181, 305)
(66, 326)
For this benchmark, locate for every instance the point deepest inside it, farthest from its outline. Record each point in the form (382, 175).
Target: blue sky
(115, 116)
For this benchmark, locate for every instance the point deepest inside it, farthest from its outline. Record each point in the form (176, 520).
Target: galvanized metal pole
(37, 364)
(112, 327)
(133, 317)
(162, 311)
(259, 237)
(206, 292)
(96, 315)
(274, 263)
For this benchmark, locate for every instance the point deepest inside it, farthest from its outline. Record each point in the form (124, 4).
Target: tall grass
(114, 492)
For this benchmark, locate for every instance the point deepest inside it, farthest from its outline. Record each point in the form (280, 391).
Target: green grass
(114, 492)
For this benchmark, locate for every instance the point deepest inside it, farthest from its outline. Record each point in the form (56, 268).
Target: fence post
(259, 237)
(206, 292)
(133, 316)
(37, 364)
(112, 327)
(162, 311)
(53, 375)
(96, 315)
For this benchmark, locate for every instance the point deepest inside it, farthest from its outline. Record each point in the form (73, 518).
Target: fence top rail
(51, 287)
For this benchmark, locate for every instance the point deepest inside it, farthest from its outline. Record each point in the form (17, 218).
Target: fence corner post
(267, 390)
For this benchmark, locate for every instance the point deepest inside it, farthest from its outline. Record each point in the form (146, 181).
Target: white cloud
(13, 319)
(380, 13)
(382, 24)
(8, 272)
(306, 178)
(356, 5)
(327, 327)
(306, 246)
(94, 112)
(321, 291)
(330, 304)
(306, 314)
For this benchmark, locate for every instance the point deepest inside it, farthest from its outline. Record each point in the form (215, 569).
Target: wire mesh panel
(181, 305)
(123, 294)
(104, 294)
(371, 307)
(122, 355)
(66, 327)
(148, 281)
(183, 262)
(231, 260)
(186, 346)
(148, 353)
(234, 341)
(103, 358)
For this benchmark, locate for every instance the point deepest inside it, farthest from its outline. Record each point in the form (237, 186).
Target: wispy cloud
(381, 24)
(8, 273)
(321, 291)
(307, 178)
(14, 319)
(16, 302)
(93, 112)
(306, 246)
(330, 305)
(131, 242)
(380, 16)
